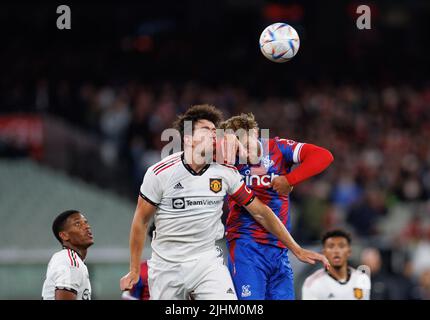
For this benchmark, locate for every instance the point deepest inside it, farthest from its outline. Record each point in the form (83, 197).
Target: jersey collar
(348, 277)
(191, 170)
(64, 247)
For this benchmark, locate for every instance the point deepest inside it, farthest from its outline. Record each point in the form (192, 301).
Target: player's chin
(336, 265)
(89, 242)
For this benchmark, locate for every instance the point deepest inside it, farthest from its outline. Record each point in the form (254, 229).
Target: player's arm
(62, 294)
(142, 216)
(267, 218)
(243, 196)
(312, 160)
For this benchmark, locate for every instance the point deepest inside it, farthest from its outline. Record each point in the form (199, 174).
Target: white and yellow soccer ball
(279, 42)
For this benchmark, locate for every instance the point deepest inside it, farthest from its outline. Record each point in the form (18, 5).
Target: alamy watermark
(364, 20)
(205, 147)
(64, 21)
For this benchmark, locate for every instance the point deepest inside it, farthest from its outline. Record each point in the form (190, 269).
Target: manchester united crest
(358, 293)
(215, 185)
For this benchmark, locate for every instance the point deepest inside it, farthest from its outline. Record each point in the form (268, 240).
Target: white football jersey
(189, 205)
(322, 286)
(67, 271)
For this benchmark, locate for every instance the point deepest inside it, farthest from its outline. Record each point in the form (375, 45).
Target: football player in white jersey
(67, 276)
(341, 282)
(185, 195)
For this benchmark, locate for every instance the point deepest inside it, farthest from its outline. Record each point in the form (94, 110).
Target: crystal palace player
(258, 261)
(186, 196)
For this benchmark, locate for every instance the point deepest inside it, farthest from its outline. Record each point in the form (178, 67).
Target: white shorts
(203, 278)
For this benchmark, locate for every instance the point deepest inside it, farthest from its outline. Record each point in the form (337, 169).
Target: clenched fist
(128, 281)
(281, 185)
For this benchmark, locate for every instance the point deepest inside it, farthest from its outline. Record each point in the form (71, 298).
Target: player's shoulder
(165, 164)
(357, 273)
(314, 277)
(66, 257)
(283, 141)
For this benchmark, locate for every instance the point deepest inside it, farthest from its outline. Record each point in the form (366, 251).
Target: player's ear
(64, 235)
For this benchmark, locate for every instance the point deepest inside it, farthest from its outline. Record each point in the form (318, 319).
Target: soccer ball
(279, 42)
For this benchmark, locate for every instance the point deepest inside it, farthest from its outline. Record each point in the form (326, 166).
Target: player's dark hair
(196, 113)
(59, 223)
(335, 234)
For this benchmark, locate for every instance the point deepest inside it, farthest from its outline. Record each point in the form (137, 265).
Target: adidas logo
(178, 186)
(230, 290)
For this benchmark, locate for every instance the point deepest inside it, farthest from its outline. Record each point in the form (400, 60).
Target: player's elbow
(259, 211)
(325, 156)
(329, 157)
(320, 156)
(259, 214)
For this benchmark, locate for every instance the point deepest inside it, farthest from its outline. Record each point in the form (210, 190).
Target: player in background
(67, 276)
(185, 195)
(258, 260)
(341, 282)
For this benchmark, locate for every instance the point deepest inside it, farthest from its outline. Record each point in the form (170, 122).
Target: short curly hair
(244, 121)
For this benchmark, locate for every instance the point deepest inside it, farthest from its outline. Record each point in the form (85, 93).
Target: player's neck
(197, 167)
(80, 251)
(341, 274)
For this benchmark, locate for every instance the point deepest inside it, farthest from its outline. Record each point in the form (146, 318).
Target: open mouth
(90, 235)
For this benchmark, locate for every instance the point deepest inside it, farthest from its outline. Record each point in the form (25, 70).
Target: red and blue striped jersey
(279, 155)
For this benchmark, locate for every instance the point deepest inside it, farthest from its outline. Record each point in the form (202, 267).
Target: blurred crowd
(378, 136)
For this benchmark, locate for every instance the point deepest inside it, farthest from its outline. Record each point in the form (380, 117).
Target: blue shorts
(260, 272)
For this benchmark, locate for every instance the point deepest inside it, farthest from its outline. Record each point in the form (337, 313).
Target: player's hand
(128, 281)
(311, 257)
(280, 185)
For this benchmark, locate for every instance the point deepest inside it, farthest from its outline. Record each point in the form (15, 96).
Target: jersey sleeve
(67, 277)
(290, 149)
(363, 282)
(150, 190)
(237, 188)
(309, 291)
(312, 158)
